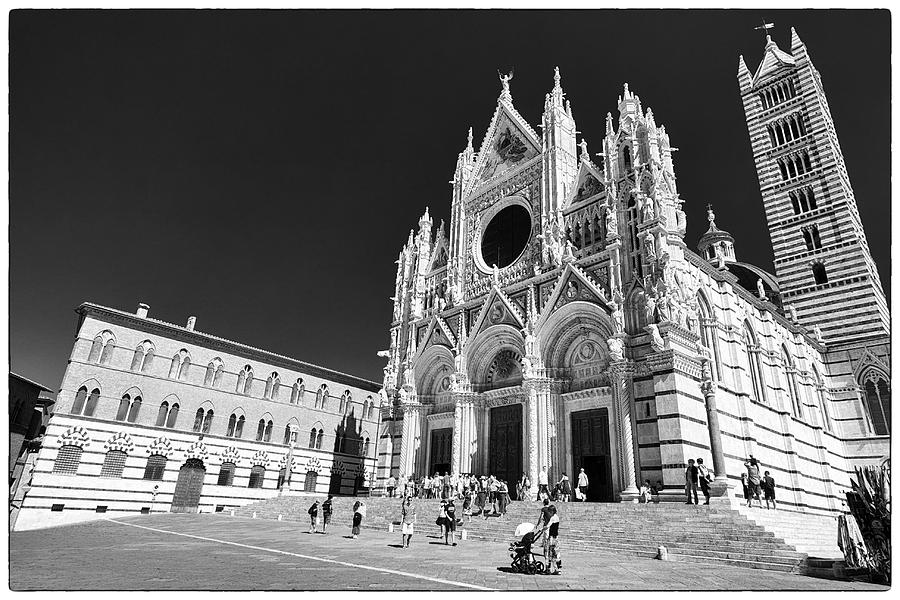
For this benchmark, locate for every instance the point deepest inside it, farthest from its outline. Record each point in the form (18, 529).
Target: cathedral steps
(705, 534)
(815, 535)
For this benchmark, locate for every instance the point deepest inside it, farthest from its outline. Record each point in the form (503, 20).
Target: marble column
(408, 443)
(719, 487)
(623, 414)
(532, 420)
(457, 435)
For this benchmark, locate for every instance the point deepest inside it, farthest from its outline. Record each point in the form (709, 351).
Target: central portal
(590, 451)
(441, 449)
(505, 444)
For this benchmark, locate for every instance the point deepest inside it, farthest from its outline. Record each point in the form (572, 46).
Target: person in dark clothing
(705, 479)
(326, 513)
(768, 486)
(450, 523)
(691, 481)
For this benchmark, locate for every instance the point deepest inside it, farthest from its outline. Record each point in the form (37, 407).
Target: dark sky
(261, 170)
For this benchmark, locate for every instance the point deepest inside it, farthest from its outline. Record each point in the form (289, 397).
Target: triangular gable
(437, 334)
(587, 184)
(867, 360)
(574, 285)
(521, 301)
(509, 143)
(438, 255)
(498, 310)
(773, 60)
(453, 322)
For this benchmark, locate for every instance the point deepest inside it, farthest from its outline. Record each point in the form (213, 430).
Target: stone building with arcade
(564, 321)
(157, 417)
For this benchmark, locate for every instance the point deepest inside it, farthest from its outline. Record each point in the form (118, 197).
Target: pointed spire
(557, 78)
(609, 124)
(556, 95)
(742, 66)
(796, 43)
(469, 145)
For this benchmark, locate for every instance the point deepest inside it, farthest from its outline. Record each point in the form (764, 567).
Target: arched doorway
(189, 486)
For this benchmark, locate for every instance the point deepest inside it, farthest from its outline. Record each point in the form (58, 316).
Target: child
(768, 486)
(314, 517)
(645, 493)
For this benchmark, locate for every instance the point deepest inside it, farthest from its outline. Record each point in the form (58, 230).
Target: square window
(101, 509)
(57, 508)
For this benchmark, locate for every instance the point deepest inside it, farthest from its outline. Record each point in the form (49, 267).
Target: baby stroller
(520, 551)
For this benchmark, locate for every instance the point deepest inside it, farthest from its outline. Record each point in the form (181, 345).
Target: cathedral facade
(563, 322)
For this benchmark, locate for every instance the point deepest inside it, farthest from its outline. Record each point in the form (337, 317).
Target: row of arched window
(586, 233)
(180, 365)
(787, 129)
(794, 165)
(802, 200)
(752, 363)
(777, 93)
(68, 459)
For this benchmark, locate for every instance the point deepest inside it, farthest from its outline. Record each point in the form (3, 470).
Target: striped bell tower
(822, 258)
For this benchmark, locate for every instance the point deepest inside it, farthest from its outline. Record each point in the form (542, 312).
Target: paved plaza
(217, 552)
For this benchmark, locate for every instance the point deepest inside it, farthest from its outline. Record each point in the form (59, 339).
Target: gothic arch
(482, 350)
(563, 327)
(432, 368)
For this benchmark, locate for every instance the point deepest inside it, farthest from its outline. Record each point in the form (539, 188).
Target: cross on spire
(765, 27)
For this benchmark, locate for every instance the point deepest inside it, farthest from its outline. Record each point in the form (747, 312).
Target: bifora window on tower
(506, 236)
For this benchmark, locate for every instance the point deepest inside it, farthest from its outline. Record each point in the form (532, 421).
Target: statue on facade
(817, 331)
(656, 341)
(618, 317)
(616, 348)
(409, 380)
(612, 224)
(504, 80)
(760, 290)
(792, 311)
(569, 254)
(650, 246)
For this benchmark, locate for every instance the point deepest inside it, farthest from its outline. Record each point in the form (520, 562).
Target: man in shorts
(407, 521)
(768, 486)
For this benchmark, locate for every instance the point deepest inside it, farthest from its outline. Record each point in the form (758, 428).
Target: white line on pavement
(325, 560)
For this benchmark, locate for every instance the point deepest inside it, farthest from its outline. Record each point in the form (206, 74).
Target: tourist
(326, 513)
(753, 481)
(768, 486)
(407, 521)
(359, 512)
(442, 518)
(314, 517)
(565, 490)
(467, 506)
(445, 483)
(492, 493)
(691, 480)
(746, 484)
(551, 543)
(543, 481)
(705, 479)
(582, 485)
(450, 522)
(502, 496)
(645, 494)
(391, 484)
(427, 487)
(401, 485)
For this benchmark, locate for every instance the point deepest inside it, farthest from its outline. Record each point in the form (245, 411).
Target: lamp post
(288, 465)
(153, 497)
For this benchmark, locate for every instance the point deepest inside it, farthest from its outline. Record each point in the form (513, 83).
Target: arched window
(242, 377)
(92, 401)
(365, 447)
(67, 460)
(124, 405)
(198, 419)
(822, 397)
(312, 437)
(790, 374)
(226, 474)
(148, 360)
(80, 397)
(239, 428)
(287, 435)
(819, 274)
(248, 384)
(295, 391)
(257, 475)
(626, 158)
(207, 421)
(709, 337)
(309, 484)
(752, 351)
(217, 379)
(162, 414)
(345, 402)
(96, 349)
(173, 416)
(134, 410)
(138, 358)
(877, 390)
(183, 370)
(260, 430)
(210, 373)
(173, 368)
(113, 464)
(322, 396)
(232, 422)
(268, 436)
(156, 467)
(272, 385)
(107, 351)
(319, 437)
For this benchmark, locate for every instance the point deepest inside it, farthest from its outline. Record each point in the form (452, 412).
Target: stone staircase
(708, 534)
(816, 535)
